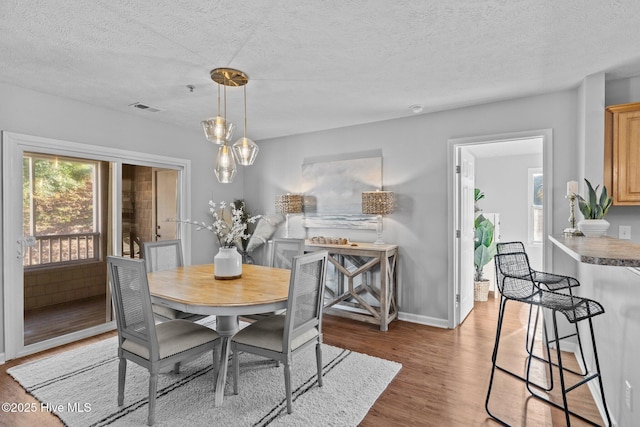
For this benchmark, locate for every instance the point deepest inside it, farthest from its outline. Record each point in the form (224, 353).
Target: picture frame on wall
(333, 187)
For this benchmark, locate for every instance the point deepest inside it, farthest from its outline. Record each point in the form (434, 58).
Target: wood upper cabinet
(622, 153)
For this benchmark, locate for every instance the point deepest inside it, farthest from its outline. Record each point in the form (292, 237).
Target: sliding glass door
(64, 220)
(66, 206)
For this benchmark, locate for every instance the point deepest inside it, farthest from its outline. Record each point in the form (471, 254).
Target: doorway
(498, 154)
(149, 206)
(77, 253)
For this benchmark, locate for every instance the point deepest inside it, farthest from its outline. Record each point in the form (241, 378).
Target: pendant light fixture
(225, 165)
(217, 129)
(245, 149)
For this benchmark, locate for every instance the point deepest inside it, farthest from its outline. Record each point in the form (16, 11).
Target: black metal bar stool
(552, 282)
(515, 281)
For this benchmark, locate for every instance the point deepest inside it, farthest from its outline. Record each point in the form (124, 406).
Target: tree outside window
(60, 209)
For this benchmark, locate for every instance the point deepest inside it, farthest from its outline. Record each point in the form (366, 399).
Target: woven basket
(481, 290)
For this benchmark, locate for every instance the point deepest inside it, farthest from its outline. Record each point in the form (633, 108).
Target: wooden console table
(372, 301)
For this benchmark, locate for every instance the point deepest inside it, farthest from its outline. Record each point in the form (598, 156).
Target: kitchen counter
(600, 250)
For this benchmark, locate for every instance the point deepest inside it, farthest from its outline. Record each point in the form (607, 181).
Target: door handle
(25, 242)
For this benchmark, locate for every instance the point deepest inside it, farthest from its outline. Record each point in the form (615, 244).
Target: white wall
(33, 113)
(617, 332)
(504, 181)
(415, 167)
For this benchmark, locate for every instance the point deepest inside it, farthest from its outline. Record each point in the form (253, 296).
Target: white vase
(227, 264)
(593, 227)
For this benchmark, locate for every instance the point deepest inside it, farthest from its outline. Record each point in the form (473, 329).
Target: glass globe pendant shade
(225, 165)
(218, 130)
(245, 151)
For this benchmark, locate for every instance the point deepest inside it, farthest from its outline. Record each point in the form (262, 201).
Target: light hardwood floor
(443, 381)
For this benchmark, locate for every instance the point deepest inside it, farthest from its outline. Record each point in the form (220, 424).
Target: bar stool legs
(494, 358)
(561, 369)
(574, 334)
(533, 388)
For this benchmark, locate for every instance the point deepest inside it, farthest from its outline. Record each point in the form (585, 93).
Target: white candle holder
(572, 230)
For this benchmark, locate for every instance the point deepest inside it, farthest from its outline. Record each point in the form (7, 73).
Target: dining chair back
(283, 250)
(132, 304)
(140, 340)
(305, 301)
(164, 255)
(281, 336)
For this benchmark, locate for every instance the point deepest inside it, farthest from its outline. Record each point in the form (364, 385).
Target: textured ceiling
(312, 64)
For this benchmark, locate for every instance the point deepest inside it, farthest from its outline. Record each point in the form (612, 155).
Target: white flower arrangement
(231, 231)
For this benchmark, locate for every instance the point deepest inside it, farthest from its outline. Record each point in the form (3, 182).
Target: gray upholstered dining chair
(140, 340)
(163, 255)
(282, 336)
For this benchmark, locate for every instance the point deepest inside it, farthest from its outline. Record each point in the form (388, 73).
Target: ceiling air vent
(145, 107)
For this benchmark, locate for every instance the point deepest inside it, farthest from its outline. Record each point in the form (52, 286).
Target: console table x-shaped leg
(365, 258)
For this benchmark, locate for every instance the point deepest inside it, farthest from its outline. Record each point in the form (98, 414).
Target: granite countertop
(600, 250)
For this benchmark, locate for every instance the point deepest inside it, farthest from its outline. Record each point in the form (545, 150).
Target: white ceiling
(312, 64)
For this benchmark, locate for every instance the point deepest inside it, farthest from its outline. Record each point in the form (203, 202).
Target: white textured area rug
(80, 386)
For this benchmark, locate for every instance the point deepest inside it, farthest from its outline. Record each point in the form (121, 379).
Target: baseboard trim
(424, 320)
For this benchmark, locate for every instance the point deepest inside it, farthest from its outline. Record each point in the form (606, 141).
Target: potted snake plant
(594, 208)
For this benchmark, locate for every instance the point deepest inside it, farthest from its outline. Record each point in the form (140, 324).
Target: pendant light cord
(225, 104)
(245, 110)
(218, 98)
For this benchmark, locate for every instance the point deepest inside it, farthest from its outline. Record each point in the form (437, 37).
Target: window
(535, 198)
(60, 210)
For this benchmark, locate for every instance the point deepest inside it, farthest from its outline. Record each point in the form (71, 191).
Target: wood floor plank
(443, 380)
(52, 321)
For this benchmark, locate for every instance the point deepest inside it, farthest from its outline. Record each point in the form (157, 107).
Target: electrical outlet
(627, 394)
(624, 232)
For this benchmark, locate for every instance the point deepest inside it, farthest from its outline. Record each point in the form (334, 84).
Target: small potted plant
(484, 251)
(594, 209)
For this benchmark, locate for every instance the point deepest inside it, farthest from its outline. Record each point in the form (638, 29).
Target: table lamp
(377, 203)
(288, 204)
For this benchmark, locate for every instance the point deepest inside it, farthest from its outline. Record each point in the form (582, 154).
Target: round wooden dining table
(194, 289)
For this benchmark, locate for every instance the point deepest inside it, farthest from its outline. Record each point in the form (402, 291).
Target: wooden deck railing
(61, 249)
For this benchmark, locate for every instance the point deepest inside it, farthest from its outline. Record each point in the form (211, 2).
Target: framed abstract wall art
(333, 186)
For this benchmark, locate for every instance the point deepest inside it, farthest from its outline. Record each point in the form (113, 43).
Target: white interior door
(465, 187)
